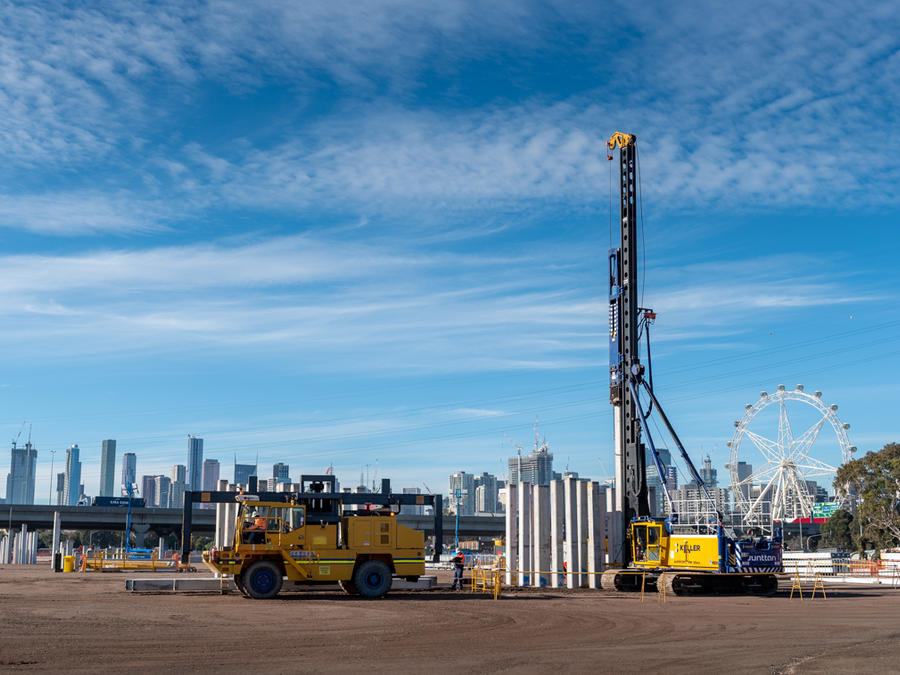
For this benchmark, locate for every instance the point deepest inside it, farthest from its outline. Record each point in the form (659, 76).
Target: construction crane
(702, 557)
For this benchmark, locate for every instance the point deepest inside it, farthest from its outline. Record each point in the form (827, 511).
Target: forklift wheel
(262, 580)
(372, 579)
(348, 587)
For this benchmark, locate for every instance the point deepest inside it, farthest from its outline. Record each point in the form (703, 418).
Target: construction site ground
(87, 622)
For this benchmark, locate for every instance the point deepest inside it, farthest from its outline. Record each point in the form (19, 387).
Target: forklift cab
(648, 544)
(262, 523)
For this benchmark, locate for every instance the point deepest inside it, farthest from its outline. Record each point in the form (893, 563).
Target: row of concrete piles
(560, 535)
(19, 547)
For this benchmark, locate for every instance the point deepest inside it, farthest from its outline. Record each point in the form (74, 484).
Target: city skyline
(380, 237)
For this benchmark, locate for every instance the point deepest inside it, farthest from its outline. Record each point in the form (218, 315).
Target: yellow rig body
(360, 550)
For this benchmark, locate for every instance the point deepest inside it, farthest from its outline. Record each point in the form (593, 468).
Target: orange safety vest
(259, 523)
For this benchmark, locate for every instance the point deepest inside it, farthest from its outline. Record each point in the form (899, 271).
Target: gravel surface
(88, 623)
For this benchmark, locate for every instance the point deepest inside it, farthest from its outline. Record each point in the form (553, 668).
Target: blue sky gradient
(378, 231)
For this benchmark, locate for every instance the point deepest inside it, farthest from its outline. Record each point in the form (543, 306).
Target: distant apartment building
(690, 502)
(72, 488)
(281, 473)
(658, 506)
(20, 479)
(129, 469)
(462, 493)
(487, 489)
(195, 463)
(535, 468)
(107, 486)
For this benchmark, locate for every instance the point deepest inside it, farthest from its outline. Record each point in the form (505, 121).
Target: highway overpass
(168, 521)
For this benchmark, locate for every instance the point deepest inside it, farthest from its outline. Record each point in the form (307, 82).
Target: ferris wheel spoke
(756, 504)
(785, 434)
(766, 446)
(758, 475)
(801, 446)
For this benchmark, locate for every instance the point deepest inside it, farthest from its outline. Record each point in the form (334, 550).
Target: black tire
(262, 580)
(372, 579)
(239, 584)
(348, 587)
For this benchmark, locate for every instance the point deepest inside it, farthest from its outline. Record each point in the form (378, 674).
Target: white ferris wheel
(772, 467)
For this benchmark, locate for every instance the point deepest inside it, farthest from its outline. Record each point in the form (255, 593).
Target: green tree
(875, 480)
(837, 531)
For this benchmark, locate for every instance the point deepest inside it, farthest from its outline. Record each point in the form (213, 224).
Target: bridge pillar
(140, 532)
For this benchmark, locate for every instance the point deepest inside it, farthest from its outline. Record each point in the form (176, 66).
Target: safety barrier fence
(880, 571)
(97, 562)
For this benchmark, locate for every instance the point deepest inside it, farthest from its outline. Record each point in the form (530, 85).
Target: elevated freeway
(167, 521)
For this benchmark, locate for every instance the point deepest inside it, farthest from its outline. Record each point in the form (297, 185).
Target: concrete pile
(560, 535)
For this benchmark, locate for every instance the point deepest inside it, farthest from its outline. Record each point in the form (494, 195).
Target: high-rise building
(462, 493)
(129, 468)
(486, 493)
(20, 479)
(148, 490)
(210, 474)
(242, 473)
(535, 468)
(671, 478)
(281, 473)
(708, 473)
(177, 488)
(195, 463)
(161, 487)
(654, 484)
(108, 468)
(60, 489)
(72, 489)
(744, 471)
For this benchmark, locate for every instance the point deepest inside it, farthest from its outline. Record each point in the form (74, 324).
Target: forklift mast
(624, 328)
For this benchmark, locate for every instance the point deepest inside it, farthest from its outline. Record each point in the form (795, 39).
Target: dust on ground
(84, 622)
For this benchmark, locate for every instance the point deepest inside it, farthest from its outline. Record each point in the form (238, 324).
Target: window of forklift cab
(294, 517)
(653, 535)
(252, 512)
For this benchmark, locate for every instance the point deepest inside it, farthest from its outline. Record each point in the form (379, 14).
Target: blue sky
(377, 231)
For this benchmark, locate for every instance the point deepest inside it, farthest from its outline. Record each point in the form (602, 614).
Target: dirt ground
(84, 622)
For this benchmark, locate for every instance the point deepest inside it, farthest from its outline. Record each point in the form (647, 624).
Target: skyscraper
(486, 493)
(654, 484)
(148, 490)
(242, 473)
(281, 473)
(108, 469)
(465, 484)
(73, 476)
(176, 491)
(129, 468)
(161, 487)
(20, 479)
(60, 489)
(708, 473)
(210, 474)
(195, 463)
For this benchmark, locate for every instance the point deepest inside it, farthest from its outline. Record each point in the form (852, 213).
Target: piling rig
(688, 554)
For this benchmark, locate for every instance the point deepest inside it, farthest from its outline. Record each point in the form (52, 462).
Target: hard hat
(255, 514)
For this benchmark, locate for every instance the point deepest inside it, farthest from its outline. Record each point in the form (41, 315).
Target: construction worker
(257, 529)
(459, 562)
